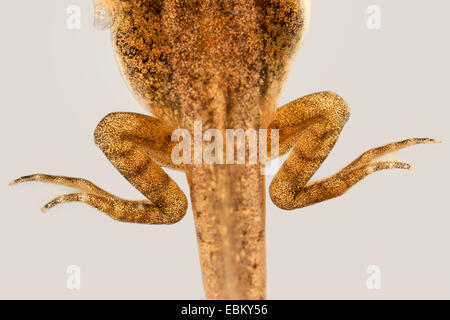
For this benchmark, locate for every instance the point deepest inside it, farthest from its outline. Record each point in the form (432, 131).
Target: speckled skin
(221, 62)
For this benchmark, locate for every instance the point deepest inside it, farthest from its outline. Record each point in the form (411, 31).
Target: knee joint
(340, 110)
(105, 128)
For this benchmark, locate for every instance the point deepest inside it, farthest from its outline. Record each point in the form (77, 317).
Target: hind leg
(135, 144)
(311, 125)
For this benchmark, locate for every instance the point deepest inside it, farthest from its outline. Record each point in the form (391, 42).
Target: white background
(57, 84)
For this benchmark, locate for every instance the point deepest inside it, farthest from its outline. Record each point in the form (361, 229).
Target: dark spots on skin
(261, 236)
(264, 83)
(301, 155)
(140, 170)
